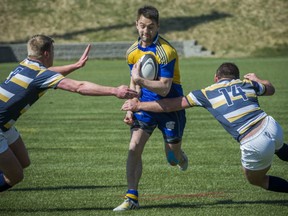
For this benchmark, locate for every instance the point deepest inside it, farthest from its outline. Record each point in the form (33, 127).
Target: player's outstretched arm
(93, 89)
(164, 105)
(67, 69)
(270, 90)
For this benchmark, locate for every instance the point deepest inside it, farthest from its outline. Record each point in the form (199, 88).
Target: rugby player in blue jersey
(234, 103)
(167, 85)
(23, 87)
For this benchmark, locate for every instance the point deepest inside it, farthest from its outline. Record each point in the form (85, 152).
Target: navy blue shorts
(171, 124)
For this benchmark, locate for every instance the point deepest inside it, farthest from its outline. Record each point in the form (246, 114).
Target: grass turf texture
(78, 147)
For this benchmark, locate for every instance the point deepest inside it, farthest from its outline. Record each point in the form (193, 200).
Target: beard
(146, 39)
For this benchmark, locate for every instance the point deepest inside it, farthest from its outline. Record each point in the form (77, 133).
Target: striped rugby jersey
(233, 103)
(23, 87)
(167, 59)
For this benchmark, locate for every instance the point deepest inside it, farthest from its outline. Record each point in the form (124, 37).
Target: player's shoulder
(132, 48)
(165, 50)
(167, 46)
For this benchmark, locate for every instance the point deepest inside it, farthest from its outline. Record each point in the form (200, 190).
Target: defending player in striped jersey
(23, 87)
(234, 103)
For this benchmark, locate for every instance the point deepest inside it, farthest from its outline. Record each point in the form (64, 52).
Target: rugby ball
(148, 67)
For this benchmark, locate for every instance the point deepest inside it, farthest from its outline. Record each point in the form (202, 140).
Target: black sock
(282, 153)
(277, 184)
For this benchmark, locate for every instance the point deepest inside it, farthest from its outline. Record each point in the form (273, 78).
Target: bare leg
(11, 168)
(174, 153)
(20, 151)
(257, 177)
(134, 161)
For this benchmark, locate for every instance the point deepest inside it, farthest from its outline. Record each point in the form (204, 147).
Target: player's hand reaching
(130, 105)
(270, 90)
(123, 92)
(67, 69)
(251, 76)
(84, 58)
(128, 119)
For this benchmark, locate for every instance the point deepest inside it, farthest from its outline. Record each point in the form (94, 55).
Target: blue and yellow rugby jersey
(233, 103)
(167, 59)
(23, 87)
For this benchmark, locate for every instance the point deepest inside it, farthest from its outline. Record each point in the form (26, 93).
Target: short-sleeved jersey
(23, 87)
(167, 59)
(233, 103)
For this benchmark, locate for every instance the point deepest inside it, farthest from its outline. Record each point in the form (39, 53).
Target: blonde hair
(38, 44)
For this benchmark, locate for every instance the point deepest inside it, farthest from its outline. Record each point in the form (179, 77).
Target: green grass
(78, 147)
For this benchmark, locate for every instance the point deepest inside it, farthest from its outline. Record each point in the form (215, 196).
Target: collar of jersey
(30, 62)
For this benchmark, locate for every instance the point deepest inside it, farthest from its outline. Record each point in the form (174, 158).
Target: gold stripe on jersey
(21, 80)
(30, 65)
(204, 93)
(42, 93)
(190, 101)
(132, 48)
(237, 114)
(52, 81)
(25, 109)
(41, 71)
(5, 95)
(161, 53)
(219, 85)
(249, 124)
(220, 100)
(9, 124)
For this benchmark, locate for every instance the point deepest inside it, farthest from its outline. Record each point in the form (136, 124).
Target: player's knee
(282, 153)
(26, 163)
(256, 181)
(174, 140)
(171, 158)
(16, 178)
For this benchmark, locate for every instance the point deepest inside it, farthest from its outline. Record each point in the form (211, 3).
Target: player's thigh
(17, 146)
(11, 167)
(172, 126)
(256, 177)
(139, 137)
(141, 131)
(258, 150)
(19, 149)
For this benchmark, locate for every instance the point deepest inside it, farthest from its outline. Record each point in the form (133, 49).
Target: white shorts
(7, 138)
(258, 150)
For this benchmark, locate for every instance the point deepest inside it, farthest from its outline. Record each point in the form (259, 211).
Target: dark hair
(149, 12)
(228, 70)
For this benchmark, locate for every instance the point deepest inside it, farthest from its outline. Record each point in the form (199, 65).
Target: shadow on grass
(223, 203)
(69, 187)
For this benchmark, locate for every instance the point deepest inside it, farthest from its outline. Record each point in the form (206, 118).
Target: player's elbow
(167, 109)
(164, 91)
(81, 88)
(163, 94)
(164, 108)
(270, 90)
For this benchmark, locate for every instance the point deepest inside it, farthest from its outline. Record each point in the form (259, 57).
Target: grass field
(78, 147)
